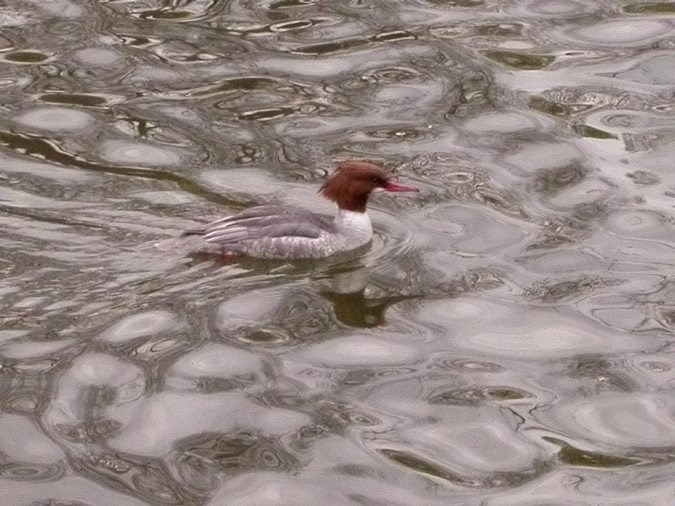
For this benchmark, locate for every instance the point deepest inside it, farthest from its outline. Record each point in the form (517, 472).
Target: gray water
(508, 338)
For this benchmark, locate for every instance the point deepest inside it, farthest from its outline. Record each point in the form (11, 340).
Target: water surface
(507, 339)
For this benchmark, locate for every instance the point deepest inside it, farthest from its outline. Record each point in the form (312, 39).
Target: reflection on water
(506, 339)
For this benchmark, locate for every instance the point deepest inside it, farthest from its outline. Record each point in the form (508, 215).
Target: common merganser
(273, 231)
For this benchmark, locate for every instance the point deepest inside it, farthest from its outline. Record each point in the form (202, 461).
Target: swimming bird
(275, 231)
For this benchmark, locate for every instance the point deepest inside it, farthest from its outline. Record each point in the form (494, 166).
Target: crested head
(352, 182)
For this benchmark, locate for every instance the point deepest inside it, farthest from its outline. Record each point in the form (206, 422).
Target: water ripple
(505, 339)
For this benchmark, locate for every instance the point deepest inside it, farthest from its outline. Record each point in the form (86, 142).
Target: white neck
(356, 226)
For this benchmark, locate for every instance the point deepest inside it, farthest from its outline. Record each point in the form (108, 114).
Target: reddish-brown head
(351, 184)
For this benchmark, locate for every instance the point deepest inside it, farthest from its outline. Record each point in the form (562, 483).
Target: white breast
(355, 227)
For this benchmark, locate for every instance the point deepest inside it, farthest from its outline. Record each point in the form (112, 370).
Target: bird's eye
(375, 180)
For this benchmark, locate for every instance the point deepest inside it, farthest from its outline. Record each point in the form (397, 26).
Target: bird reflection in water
(347, 294)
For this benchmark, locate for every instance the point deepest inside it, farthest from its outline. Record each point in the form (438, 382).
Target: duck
(288, 232)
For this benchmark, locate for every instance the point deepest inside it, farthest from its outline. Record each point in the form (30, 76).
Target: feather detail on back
(268, 221)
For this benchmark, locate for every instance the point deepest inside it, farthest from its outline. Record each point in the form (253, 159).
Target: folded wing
(267, 222)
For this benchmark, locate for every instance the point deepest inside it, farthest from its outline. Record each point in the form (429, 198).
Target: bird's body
(274, 231)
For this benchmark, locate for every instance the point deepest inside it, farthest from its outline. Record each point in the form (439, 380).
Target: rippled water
(509, 338)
